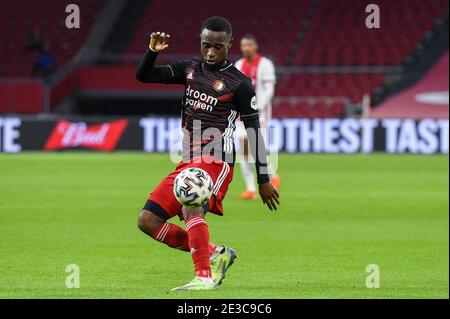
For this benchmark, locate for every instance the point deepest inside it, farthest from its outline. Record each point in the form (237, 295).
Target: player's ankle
(212, 248)
(206, 280)
(203, 273)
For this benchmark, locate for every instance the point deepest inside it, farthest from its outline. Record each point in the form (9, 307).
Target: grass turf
(339, 213)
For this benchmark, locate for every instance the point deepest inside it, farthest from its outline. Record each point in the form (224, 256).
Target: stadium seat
(20, 18)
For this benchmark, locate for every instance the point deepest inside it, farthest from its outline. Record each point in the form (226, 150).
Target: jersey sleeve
(268, 74)
(178, 71)
(267, 82)
(173, 73)
(246, 105)
(238, 64)
(245, 101)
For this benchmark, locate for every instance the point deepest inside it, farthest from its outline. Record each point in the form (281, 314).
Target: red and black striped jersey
(213, 100)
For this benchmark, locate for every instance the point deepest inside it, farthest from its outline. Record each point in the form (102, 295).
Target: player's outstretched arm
(146, 71)
(267, 191)
(246, 102)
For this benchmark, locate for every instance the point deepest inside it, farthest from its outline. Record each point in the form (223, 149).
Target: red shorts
(220, 172)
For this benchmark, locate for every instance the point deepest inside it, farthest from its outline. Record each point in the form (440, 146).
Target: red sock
(198, 233)
(211, 248)
(176, 237)
(173, 236)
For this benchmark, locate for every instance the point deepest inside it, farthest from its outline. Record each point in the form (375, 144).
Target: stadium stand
(46, 17)
(275, 23)
(325, 56)
(26, 26)
(343, 87)
(427, 98)
(338, 35)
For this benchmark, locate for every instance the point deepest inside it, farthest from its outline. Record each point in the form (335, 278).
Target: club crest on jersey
(190, 75)
(253, 103)
(218, 85)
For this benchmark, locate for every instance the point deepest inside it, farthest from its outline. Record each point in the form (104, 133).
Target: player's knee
(192, 211)
(148, 222)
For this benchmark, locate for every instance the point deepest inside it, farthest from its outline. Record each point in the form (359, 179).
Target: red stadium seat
(20, 18)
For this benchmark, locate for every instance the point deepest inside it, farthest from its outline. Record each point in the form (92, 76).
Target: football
(193, 187)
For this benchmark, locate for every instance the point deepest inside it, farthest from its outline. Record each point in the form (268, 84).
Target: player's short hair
(249, 36)
(218, 24)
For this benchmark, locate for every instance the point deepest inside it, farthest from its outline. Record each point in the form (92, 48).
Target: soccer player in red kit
(216, 93)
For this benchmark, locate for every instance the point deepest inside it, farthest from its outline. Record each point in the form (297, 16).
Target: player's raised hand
(159, 41)
(269, 195)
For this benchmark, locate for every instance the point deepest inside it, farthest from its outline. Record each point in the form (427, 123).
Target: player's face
(214, 46)
(248, 48)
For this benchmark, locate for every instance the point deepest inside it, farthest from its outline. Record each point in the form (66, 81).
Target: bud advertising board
(160, 134)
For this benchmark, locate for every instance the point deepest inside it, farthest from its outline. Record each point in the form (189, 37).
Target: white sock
(249, 177)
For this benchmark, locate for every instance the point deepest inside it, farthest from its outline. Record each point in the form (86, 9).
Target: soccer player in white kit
(262, 73)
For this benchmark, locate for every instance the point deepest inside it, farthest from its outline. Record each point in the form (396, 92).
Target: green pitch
(338, 214)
